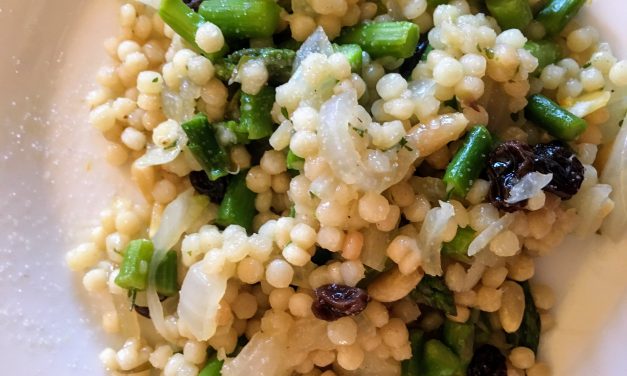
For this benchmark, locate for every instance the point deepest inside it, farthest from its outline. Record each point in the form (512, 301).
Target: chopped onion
(263, 355)
(474, 274)
(485, 236)
(308, 334)
(177, 217)
(588, 103)
(129, 326)
(349, 159)
(317, 42)
(615, 174)
(617, 108)
(156, 155)
(529, 186)
(373, 251)
(200, 299)
(590, 204)
(430, 237)
(180, 105)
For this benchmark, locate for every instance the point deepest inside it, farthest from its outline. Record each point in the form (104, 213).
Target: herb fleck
(360, 132)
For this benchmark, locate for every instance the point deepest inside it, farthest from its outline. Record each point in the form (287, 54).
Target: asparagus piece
(294, 162)
(510, 14)
(255, 118)
(458, 247)
(557, 13)
(242, 18)
(432, 291)
(546, 51)
(205, 148)
(411, 366)
(133, 273)
(557, 121)
(185, 22)
(420, 54)
(396, 39)
(468, 162)
(212, 368)
(278, 62)
(166, 277)
(238, 205)
(353, 53)
(461, 339)
(439, 360)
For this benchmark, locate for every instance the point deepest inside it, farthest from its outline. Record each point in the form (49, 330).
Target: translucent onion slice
(317, 42)
(350, 160)
(263, 355)
(485, 236)
(200, 300)
(615, 174)
(529, 186)
(430, 237)
(177, 217)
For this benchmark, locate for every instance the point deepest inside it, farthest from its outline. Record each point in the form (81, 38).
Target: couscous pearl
(342, 331)
(448, 72)
(279, 273)
(301, 26)
(164, 191)
(581, 39)
(209, 37)
(250, 270)
(257, 180)
(522, 357)
(149, 82)
(350, 357)
(273, 162)
(244, 306)
(126, 48)
(102, 117)
(133, 139)
(539, 369)
(253, 75)
(116, 154)
(373, 207)
(591, 79)
(391, 86)
(295, 255)
(199, 70)
(330, 238)
(618, 73)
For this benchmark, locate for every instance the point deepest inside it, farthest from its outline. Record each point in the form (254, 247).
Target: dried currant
(487, 361)
(558, 159)
(215, 190)
(334, 301)
(193, 4)
(507, 164)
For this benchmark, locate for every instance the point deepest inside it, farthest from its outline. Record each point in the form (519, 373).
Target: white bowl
(53, 182)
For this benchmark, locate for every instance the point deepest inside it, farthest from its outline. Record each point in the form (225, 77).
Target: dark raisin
(334, 301)
(193, 4)
(213, 189)
(558, 159)
(144, 311)
(487, 361)
(507, 164)
(322, 256)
